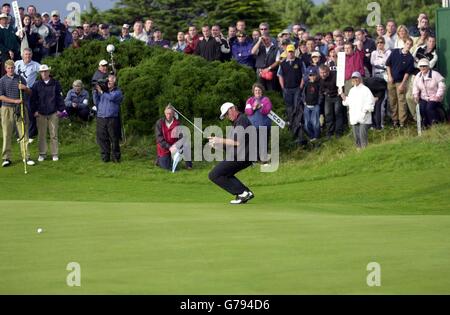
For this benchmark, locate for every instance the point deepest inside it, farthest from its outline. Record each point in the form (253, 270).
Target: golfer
(223, 174)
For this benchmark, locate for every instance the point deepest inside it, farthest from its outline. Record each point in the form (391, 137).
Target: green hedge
(153, 77)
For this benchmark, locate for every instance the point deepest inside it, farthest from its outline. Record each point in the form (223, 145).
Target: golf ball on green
(39, 230)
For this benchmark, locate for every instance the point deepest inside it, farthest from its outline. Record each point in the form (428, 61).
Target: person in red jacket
(192, 40)
(166, 144)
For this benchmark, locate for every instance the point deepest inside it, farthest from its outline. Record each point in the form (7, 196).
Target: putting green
(192, 248)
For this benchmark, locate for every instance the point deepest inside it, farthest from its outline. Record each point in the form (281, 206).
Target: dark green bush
(150, 78)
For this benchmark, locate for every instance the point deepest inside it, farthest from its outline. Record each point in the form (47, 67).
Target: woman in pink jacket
(257, 108)
(428, 91)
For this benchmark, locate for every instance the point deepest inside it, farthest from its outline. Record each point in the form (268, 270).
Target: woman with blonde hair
(402, 36)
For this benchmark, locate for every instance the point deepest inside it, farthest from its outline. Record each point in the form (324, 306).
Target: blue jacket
(73, 97)
(108, 103)
(242, 53)
(47, 99)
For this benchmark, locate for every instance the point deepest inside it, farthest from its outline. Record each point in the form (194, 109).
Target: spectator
(422, 22)
(257, 108)
(94, 35)
(402, 36)
(368, 46)
(231, 38)
(28, 70)
(180, 46)
(45, 17)
(265, 53)
(148, 28)
(400, 65)
(60, 30)
(314, 66)
(225, 48)
(166, 142)
(10, 84)
(108, 121)
(331, 62)
(208, 47)
(339, 43)
(9, 44)
(378, 59)
(104, 32)
(240, 26)
(125, 33)
(302, 50)
(86, 31)
(6, 9)
(138, 32)
(31, 38)
(337, 33)
(354, 62)
(242, 50)
(427, 51)
(31, 10)
(77, 101)
(47, 37)
(360, 102)
(295, 34)
(158, 40)
(349, 34)
(380, 31)
(428, 91)
(312, 106)
(329, 96)
(47, 104)
(192, 40)
(255, 36)
(391, 34)
(75, 41)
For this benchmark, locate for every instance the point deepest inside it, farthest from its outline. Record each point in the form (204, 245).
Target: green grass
(312, 228)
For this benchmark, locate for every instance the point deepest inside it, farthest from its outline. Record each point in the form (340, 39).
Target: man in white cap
(125, 34)
(60, 30)
(99, 75)
(223, 174)
(47, 104)
(360, 102)
(9, 44)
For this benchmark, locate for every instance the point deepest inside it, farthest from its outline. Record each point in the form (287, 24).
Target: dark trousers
(108, 135)
(334, 116)
(290, 97)
(166, 162)
(429, 112)
(223, 175)
(81, 112)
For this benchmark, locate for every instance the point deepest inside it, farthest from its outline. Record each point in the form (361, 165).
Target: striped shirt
(9, 87)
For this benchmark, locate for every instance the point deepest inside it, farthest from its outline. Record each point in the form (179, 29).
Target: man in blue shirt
(28, 69)
(400, 65)
(108, 99)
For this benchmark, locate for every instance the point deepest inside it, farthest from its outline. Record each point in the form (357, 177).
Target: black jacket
(47, 99)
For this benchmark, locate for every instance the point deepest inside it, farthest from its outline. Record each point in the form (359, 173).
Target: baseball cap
(356, 74)
(424, 62)
(290, 48)
(125, 26)
(103, 63)
(285, 31)
(224, 109)
(315, 54)
(45, 13)
(44, 68)
(3, 16)
(55, 12)
(312, 72)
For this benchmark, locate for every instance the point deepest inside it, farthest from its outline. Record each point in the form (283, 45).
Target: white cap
(45, 13)
(55, 12)
(356, 74)
(44, 68)
(424, 62)
(103, 62)
(126, 26)
(3, 16)
(224, 109)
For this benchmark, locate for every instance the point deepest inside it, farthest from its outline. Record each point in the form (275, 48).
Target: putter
(178, 112)
(23, 145)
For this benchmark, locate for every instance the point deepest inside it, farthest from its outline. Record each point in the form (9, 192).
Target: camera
(102, 83)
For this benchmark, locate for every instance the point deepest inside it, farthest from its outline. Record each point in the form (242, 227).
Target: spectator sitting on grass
(77, 101)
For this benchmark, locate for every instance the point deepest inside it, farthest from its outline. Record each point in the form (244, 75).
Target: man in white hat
(99, 75)
(125, 34)
(47, 104)
(10, 44)
(223, 174)
(360, 102)
(60, 29)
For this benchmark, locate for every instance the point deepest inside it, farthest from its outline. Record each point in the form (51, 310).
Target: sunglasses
(241, 35)
(263, 29)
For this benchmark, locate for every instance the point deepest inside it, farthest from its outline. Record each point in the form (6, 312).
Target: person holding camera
(99, 75)
(108, 99)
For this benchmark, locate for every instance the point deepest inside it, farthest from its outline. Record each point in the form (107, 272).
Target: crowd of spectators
(396, 63)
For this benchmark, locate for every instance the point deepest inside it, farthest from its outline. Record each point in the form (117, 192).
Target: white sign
(340, 79)
(16, 12)
(276, 119)
(74, 17)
